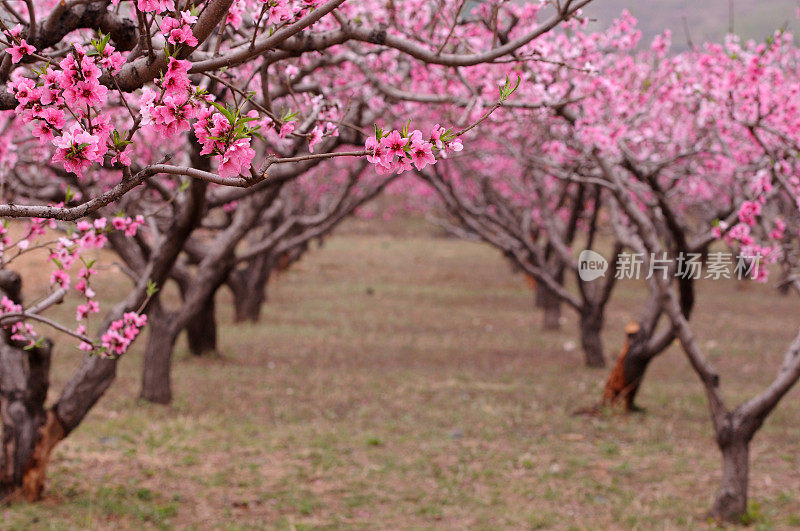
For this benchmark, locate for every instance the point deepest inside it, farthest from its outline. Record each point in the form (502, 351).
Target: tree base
(50, 433)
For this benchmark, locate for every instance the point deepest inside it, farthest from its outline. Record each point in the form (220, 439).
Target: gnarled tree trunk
(550, 303)
(201, 331)
(156, 386)
(29, 431)
(591, 324)
(249, 287)
(730, 502)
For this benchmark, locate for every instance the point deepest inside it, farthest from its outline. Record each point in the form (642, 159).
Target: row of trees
(205, 143)
(269, 113)
(659, 156)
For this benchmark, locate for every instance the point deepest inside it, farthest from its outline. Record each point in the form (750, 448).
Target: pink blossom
(315, 137)
(14, 32)
(184, 35)
(77, 150)
(402, 165)
(277, 13)
(376, 152)
(112, 60)
(168, 24)
(172, 117)
(157, 6)
(779, 230)
(436, 136)
(661, 44)
(86, 94)
(20, 50)
(60, 278)
(286, 129)
(236, 158)
(121, 158)
(89, 69)
(748, 212)
(455, 145)
(24, 90)
(394, 144)
(119, 223)
(234, 17)
(188, 18)
(422, 154)
(176, 79)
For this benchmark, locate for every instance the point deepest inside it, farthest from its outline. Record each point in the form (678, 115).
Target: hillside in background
(707, 20)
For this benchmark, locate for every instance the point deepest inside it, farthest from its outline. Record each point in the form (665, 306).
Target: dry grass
(403, 382)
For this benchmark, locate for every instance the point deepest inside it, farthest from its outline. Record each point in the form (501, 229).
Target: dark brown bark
(550, 303)
(156, 385)
(29, 431)
(249, 287)
(591, 324)
(95, 374)
(201, 331)
(247, 305)
(196, 290)
(730, 502)
(122, 30)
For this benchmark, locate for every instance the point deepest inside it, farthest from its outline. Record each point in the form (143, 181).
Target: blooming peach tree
(141, 119)
(682, 156)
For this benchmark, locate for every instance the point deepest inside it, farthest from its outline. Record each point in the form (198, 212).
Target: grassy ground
(402, 381)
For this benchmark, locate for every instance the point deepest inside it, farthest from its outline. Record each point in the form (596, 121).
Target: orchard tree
(534, 189)
(688, 152)
(295, 216)
(517, 191)
(742, 100)
(103, 100)
(672, 128)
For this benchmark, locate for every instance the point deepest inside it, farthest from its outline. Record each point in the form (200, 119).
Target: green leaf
(152, 288)
(287, 115)
(225, 112)
(36, 344)
(404, 132)
(507, 90)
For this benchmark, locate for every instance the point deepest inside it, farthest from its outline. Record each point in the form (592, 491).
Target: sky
(705, 19)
